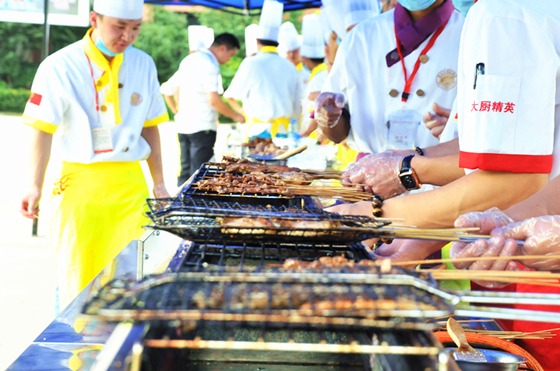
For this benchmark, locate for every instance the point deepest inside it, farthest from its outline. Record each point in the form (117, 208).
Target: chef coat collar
(411, 34)
(111, 70)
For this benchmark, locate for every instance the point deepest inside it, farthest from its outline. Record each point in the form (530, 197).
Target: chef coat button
(126, 149)
(394, 93)
(395, 56)
(420, 93)
(99, 82)
(424, 58)
(103, 108)
(121, 86)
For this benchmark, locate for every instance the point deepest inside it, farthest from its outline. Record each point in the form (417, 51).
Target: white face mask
(415, 5)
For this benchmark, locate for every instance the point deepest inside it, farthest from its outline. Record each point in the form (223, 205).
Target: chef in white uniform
(107, 117)
(199, 37)
(386, 104)
(290, 48)
(267, 84)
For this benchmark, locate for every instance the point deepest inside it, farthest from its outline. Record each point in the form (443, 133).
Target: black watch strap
(406, 163)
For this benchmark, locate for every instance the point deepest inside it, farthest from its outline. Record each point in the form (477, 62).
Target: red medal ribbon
(409, 80)
(94, 85)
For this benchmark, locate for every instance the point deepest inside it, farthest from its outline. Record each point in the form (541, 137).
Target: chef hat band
(313, 37)
(123, 9)
(359, 10)
(271, 19)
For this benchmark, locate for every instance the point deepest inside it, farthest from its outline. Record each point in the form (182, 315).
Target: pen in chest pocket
(478, 70)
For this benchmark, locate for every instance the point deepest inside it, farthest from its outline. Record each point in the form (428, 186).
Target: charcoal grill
(199, 223)
(211, 170)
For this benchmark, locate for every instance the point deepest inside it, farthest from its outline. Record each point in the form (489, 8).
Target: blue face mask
(463, 6)
(103, 49)
(416, 5)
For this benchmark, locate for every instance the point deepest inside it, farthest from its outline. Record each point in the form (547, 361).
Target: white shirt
(199, 74)
(64, 100)
(168, 87)
(314, 85)
(360, 72)
(510, 122)
(269, 87)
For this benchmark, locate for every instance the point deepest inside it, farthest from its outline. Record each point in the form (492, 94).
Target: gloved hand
(329, 109)
(436, 122)
(377, 173)
(541, 236)
(486, 221)
(408, 250)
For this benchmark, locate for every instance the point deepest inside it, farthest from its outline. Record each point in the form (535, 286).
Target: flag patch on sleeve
(35, 99)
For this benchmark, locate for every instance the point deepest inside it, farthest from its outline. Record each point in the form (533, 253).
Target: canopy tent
(246, 7)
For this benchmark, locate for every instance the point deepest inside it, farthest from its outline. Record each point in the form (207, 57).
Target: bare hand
(160, 191)
(358, 208)
(29, 202)
(436, 122)
(240, 119)
(408, 250)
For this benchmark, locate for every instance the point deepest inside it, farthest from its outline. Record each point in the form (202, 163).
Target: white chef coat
(199, 74)
(316, 82)
(168, 87)
(63, 98)
(269, 87)
(510, 122)
(360, 72)
(304, 75)
(451, 130)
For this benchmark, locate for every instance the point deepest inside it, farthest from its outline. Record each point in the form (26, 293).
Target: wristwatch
(408, 176)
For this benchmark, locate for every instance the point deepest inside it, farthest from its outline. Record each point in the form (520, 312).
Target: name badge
(403, 128)
(102, 140)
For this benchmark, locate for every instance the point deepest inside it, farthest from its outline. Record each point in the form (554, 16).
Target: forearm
(437, 170)
(339, 132)
(443, 149)
(477, 191)
(236, 107)
(544, 202)
(170, 103)
(39, 155)
(151, 135)
(176, 94)
(220, 106)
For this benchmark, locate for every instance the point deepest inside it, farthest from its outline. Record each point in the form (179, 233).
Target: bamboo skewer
(482, 258)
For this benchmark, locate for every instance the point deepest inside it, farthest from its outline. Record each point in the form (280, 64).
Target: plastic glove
(497, 246)
(408, 250)
(541, 236)
(329, 109)
(486, 221)
(436, 122)
(378, 174)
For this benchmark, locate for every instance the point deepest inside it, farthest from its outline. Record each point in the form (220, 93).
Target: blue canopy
(247, 7)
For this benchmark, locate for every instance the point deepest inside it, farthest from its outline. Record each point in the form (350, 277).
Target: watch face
(408, 182)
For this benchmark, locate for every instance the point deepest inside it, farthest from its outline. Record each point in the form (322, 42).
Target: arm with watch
(380, 173)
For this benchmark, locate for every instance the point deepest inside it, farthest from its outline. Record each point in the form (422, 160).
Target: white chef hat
(271, 19)
(123, 9)
(360, 10)
(334, 11)
(251, 34)
(313, 37)
(198, 36)
(288, 38)
(208, 37)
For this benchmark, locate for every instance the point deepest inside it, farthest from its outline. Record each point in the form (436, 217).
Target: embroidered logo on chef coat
(446, 79)
(136, 99)
(61, 184)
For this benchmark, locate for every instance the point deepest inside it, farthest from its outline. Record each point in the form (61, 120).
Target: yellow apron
(274, 125)
(98, 211)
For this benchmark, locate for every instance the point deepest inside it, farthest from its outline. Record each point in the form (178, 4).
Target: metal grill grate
(209, 170)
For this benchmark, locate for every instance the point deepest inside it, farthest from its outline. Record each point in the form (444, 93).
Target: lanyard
(94, 85)
(409, 80)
